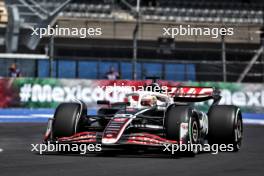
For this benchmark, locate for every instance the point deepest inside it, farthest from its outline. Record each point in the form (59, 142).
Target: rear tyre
(67, 119)
(225, 126)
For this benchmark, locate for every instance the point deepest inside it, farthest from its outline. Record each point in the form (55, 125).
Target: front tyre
(67, 119)
(181, 124)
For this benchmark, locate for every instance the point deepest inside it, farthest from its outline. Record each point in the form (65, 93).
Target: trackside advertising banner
(48, 93)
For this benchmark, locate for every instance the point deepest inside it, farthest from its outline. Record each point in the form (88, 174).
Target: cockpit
(146, 99)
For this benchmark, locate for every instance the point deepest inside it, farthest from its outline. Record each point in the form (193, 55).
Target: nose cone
(114, 130)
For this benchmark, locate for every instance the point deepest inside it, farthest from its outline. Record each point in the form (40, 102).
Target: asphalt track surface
(17, 159)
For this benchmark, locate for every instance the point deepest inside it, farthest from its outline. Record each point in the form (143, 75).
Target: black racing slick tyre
(225, 126)
(174, 117)
(67, 119)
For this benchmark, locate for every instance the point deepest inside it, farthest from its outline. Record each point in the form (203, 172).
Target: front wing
(144, 139)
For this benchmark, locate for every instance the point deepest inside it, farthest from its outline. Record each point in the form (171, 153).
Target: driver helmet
(149, 100)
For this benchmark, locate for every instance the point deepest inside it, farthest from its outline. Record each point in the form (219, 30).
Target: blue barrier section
(87, 69)
(42, 115)
(126, 70)
(66, 69)
(25, 115)
(105, 67)
(43, 68)
(29, 115)
(44, 71)
(152, 69)
(249, 118)
(94, 69)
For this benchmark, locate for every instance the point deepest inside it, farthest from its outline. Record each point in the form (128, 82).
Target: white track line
(253, 121)
(26, 116)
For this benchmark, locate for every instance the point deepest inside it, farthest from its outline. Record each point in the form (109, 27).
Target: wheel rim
(239, 129)
(195, 131)
(239, 133)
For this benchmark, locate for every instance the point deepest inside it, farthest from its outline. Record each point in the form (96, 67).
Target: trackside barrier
(37, 98)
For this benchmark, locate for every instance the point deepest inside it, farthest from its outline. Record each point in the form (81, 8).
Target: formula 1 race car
(149, 119)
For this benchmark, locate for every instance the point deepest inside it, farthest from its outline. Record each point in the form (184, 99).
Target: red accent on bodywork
(134, 138)
(194, 91)
(78, 137)
(148, 139)
(120, 119)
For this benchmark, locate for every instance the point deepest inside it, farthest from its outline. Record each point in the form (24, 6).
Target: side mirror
(103, 102)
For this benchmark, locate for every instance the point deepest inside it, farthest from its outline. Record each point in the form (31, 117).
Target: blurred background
(185, 58)
(132, 46)
(38, 74)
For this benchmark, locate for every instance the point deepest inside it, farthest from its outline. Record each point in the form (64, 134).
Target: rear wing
(196, 94)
